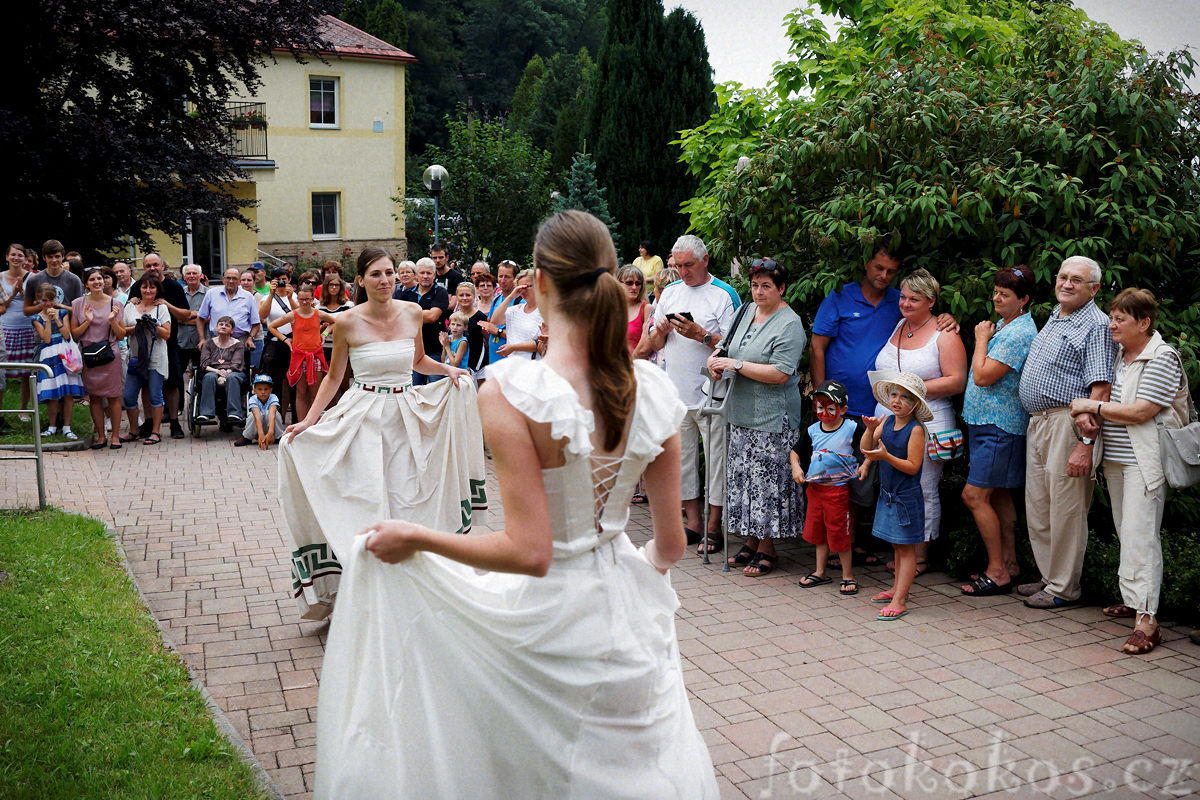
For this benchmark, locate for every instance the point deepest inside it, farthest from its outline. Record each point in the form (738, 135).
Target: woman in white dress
(556, 672)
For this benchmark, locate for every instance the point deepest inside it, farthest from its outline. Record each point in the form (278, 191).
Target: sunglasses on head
(764, 263)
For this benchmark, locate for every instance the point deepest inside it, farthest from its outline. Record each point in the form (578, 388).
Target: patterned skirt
(761, 499)
(62, 383)
(23, 345)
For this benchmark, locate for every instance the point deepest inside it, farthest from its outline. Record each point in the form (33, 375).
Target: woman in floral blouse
(996, 425)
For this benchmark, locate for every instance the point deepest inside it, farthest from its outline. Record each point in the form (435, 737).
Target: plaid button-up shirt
(1067, 356)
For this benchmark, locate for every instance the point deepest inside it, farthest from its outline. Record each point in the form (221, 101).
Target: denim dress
(900, 510)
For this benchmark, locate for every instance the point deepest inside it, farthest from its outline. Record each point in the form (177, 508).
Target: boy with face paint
(826, 458)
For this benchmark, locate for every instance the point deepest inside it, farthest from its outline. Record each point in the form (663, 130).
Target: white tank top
(925, 362)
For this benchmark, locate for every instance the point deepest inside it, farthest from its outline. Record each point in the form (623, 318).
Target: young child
(897, 442)
(63, 385)
(264, 423)
(308, 349)
(454, 343)
(826, 458)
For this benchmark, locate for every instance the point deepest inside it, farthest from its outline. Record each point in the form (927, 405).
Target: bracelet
(1099, 406)
(653, 557)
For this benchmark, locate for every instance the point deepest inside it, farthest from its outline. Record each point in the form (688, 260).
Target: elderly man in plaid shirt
(1071, 357)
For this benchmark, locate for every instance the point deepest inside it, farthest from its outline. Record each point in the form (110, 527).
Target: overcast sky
(745, 39)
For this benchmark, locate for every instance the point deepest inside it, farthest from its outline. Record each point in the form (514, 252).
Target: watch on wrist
(737, 365)
(1086, 440)
(707, 338)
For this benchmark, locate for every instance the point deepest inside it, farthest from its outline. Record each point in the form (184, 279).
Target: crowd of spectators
(1036, 405)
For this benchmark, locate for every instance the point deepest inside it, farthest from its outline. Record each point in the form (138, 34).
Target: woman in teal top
(764, 347)
(996, 424)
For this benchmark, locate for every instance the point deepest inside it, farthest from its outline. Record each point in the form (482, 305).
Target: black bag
(97, 354)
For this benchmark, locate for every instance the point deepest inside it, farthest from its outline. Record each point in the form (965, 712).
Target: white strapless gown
(416, 454)
(440, 681)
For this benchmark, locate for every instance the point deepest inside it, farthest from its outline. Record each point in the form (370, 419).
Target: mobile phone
(687, 315)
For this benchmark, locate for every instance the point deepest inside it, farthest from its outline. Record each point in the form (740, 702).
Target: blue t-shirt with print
(857, 331)
(1000, 403)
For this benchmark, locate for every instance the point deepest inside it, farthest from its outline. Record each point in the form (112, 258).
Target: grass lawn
(22, 432)
(91, 703)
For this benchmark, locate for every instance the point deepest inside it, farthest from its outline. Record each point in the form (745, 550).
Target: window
(323, 102)
(325, 215)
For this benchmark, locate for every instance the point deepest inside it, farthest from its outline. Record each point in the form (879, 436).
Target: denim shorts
(997, 458)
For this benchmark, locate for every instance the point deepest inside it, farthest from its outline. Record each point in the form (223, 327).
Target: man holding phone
(689, 321)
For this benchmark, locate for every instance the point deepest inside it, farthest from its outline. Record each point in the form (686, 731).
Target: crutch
(714, 410)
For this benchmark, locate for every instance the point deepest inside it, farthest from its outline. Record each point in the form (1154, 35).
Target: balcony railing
(247, 130)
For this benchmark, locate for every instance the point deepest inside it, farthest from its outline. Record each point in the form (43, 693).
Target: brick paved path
(799, 692)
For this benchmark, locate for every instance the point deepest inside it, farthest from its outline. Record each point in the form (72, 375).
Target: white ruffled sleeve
(659, 411)
(544, 396)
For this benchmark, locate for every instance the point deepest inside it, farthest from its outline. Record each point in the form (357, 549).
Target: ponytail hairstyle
(368, 256)
(575, 251)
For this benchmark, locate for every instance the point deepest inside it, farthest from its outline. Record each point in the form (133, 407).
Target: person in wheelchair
(222, 364)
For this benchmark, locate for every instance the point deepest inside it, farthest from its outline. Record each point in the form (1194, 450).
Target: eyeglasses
(763, 263)
(1073, 280)
(632, 283)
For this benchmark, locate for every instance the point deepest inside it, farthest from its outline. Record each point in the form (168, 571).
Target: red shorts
(827, 519)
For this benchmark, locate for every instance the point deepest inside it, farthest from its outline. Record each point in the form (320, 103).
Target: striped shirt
(1067, 356)
(1161, 379)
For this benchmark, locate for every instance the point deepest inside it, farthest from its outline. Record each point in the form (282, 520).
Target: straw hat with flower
(882, 382)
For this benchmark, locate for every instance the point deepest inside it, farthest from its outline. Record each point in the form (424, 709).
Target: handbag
(945, 445)
(97, 354)
(1179, 448)
(71, 357)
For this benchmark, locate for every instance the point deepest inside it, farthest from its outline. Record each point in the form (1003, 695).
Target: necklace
(913, 330)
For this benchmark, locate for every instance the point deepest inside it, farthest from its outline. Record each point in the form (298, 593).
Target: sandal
(743, 556)
(1139, 643)
(813, 579)
(153, 438)
(1120, 611)
(882, 597)
(864, 558)
(849, 586)
(983, 586)
(693, 537)
(711, 543)
(762, 563)
(127, 438)
(639, 498)
(97, 446)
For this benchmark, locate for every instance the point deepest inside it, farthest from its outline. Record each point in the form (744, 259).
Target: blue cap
(264, 379)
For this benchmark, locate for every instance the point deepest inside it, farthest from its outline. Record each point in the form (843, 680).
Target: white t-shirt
(711, 308)
(158, 347)
(279, 307)
(521, 327)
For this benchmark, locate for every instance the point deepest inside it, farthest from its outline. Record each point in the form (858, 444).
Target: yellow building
(323, 145)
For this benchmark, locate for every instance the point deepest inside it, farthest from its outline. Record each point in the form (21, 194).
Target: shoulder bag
(97, 354)
(1179, 448)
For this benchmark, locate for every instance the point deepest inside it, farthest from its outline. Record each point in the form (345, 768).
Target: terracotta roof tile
(347, 40)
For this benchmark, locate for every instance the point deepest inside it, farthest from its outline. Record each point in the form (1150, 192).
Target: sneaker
(1045, 600)
(176, 429)
(1030, 589)
(205, 418)
(242, 441)
(70, 434)
(51, 431)
(234, 419)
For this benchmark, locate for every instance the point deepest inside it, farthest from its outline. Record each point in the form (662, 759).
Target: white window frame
(337, 215)
(337, 102)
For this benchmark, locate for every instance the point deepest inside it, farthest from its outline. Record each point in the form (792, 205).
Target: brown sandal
(1139, 643)
(1120, 611)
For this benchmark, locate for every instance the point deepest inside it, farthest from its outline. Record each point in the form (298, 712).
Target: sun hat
(883, 380)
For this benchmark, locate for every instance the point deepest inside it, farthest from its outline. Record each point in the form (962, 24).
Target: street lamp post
(433, 178)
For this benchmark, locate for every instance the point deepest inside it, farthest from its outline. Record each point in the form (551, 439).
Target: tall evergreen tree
(527, 95)
(585, 193)
(641, 99)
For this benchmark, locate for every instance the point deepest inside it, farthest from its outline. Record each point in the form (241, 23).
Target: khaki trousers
(714, 433)
(1137, 513)
(1056, 505)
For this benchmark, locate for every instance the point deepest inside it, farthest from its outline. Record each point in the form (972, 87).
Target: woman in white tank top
(941, 360)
